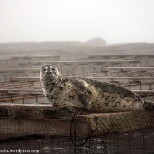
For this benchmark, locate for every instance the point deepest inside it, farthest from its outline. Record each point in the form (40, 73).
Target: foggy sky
(117, 21)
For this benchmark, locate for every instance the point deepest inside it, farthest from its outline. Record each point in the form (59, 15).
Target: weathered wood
(25, 79)
(144, 93)
(89, 61)
(92, 56)
(19, 70)
(36, 79)
(37, 126)
(128, 68)
(34, 119)
(30, 110)
(22, 91)
(100, 124)
(15, 98)
(39, 119)
(124, 78)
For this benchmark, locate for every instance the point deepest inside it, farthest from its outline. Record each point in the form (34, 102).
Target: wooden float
(128, 68)
(22, 91)
(21, 70)
(39, 91)
(36, 79)
(44, 119)
(87, 61)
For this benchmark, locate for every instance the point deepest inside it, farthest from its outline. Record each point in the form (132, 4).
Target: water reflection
(140, 142)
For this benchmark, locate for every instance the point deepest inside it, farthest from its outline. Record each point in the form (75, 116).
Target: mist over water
(79, 20)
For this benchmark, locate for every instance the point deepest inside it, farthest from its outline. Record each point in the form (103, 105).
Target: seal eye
(53, 69)
(44, 69)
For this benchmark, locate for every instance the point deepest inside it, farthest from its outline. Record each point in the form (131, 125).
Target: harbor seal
(88, 94)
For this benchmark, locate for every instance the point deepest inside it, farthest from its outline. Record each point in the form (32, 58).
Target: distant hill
(75, 49)
(37, 46)
(96, 42)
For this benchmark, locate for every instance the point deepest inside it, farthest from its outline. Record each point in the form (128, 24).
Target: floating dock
(44, 119)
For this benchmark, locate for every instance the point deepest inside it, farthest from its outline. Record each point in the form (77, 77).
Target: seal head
(50, 73)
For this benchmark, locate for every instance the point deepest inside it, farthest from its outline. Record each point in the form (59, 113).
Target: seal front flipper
(83, 92)
(84, 97)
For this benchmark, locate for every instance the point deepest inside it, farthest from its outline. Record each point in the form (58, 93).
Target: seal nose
(48, 72)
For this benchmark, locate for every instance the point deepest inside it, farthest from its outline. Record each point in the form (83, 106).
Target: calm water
(126, 143)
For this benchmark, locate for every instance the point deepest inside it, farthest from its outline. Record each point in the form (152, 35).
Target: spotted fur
(89, 94)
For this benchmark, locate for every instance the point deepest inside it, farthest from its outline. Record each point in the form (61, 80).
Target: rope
(73, 135)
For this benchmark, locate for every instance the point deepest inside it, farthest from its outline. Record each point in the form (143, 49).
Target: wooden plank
(144, 93)
(124, 78)
(20, 70)
(102, 68)
(100, 124)
(86, 125)
(39, 91)
(25, 79)
(89, 61)
(29, 121)
(21, 91)
(120, 56)
(84, 62)
(127, 68)
(15, 98)
(39, 126)
(36, 79)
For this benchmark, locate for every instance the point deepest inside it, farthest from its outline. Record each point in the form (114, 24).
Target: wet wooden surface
(41, 118)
